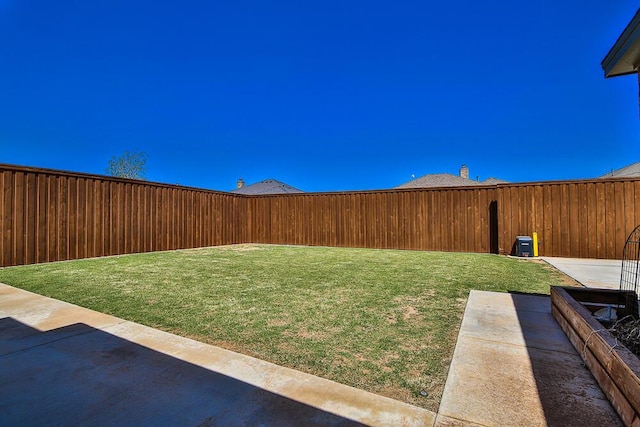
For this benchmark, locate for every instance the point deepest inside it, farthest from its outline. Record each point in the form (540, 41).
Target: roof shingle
(627, 171)
(267, 186)
(439, 180)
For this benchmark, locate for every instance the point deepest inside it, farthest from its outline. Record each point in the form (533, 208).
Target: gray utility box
(524, 246)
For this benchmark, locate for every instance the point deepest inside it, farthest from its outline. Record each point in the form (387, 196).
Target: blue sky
(323, 95)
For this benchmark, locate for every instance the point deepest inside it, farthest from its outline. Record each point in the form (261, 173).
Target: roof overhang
(624, 56)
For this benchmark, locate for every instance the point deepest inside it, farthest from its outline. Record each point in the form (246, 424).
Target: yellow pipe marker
(535, 244)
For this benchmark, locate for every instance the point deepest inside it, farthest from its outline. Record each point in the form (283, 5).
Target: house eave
(624, 56)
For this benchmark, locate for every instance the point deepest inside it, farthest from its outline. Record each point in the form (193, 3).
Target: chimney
(464, 172)
(240, 183)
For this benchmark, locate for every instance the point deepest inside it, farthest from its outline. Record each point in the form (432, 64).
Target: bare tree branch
(129, 165)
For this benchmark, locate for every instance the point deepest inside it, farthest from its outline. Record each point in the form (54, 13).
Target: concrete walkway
(592, 273)
(514, 366)
(61, 364)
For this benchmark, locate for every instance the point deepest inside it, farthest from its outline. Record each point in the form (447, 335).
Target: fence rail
(48, 215)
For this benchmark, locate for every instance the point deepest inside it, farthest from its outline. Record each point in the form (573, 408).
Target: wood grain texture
(617, 398)
(48, 215)
(622, 379)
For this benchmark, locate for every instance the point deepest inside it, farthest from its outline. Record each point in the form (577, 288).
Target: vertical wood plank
(8, 189)
(636, 204)
(50, 215)
(573, 218)
(70, 218)
(620, 234)
(30, 214)
(593, 246)
(610, 219)
(18, 222)
(583, 240)
(41, 215)
(629, 196)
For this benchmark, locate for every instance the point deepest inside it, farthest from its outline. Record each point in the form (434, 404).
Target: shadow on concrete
(567, 391)
(79, 375)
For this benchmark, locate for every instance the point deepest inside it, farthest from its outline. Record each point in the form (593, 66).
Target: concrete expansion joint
(461, 421)
(114, 324)
(531, 346)
(502, 343)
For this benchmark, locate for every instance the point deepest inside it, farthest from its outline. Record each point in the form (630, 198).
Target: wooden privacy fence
(48, 215)
(51, 216)
(453, 219)
(576, 219)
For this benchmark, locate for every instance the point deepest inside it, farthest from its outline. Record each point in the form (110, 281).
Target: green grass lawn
(385, 321)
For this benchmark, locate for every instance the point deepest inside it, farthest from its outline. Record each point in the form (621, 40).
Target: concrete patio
(61, 364)
(592, 273)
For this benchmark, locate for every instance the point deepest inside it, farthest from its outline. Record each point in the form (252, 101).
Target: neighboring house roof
(448, 180)
(627, 171)
(624, 55)
(492, 181)
(268, 186)
(439, 180)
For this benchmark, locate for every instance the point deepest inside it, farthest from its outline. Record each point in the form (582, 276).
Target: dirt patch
(569, 281)
(340, 360)
(312, 335)
(277, 322)
(425, 342)
(395, 392)
(407, 307)
(241, 247)
(409, 312)
(389, 356)
(360, 358)
(306, 334)
(565, 280)
(430, 400)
